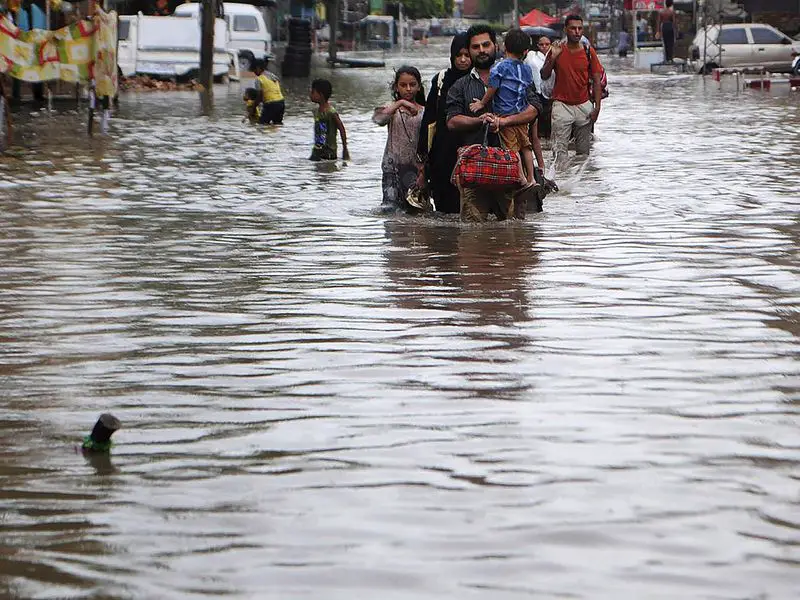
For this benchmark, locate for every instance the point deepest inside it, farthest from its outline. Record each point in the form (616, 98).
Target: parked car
(166, 47)
(742, 45)
(248, 34)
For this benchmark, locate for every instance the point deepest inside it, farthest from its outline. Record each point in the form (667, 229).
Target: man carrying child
(477, 203)
(509, 81)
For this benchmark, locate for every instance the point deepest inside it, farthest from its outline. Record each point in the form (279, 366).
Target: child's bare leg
(527, 158)
(523, 179)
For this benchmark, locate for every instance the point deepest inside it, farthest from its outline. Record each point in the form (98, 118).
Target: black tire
(295, 66)
(707, 68)
(300, 40)
(295, 71)
(298, 52)
(796, 69)
(246, 62)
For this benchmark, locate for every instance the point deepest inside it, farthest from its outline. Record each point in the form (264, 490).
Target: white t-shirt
(536, 62)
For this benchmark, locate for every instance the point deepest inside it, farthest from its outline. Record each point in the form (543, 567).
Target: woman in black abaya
(439, 153)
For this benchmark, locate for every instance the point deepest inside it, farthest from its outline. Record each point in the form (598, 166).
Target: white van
(248, 34)
(166, 46)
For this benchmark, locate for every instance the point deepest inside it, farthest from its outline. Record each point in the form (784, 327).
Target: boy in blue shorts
(508, 92)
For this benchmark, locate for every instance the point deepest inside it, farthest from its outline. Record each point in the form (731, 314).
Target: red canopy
(537, 18)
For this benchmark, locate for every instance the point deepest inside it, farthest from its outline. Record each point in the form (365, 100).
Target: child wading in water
(326, 123)
(508, 92)
(400, 164)
(252, 104)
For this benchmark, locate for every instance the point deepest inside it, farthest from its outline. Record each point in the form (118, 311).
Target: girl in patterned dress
(400, 164)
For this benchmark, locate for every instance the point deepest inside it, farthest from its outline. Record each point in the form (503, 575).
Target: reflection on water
(599, 402)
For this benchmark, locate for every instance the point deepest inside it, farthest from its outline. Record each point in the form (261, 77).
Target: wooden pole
(208, 12)
(333, 25)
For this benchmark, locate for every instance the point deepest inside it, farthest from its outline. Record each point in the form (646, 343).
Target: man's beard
(484, 61)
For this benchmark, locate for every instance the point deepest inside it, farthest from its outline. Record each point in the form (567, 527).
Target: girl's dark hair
(414, 72)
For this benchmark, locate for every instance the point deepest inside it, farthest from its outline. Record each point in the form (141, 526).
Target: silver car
(743, 45)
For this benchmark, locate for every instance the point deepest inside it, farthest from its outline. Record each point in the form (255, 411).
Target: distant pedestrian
(544, 87)
(576, 66)
(509, 81)
(273, 105)
(642, 29)
(624, 43)
(437, 146)
(400, 165)
(161, 8)
(667, 30)
(326, 123)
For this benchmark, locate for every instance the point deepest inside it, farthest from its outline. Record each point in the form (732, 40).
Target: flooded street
(319, 402)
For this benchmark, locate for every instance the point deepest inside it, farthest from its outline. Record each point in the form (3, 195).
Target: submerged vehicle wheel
(707, 68)
(245, 62)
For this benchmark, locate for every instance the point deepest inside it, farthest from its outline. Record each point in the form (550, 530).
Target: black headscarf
(436, 105)
(460, 41)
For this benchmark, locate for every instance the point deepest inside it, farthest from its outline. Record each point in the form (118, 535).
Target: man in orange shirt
(573, 111)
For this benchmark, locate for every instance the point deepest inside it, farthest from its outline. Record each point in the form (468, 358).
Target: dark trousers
(668, 37)
(272, 112)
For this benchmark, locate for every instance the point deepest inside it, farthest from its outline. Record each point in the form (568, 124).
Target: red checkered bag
(481, 165)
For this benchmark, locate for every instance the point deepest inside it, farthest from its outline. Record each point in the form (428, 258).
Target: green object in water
(92, 446)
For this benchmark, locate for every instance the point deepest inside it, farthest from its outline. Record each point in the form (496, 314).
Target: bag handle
(486, 135)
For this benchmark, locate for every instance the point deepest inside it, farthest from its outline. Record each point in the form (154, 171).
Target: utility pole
(515, 14)
(333, 26)
(208, 14)
(401, 34)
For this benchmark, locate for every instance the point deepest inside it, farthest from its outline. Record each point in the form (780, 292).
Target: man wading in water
(667, 31)
(478, 203)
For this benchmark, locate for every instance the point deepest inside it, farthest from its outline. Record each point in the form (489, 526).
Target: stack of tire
(297, 60)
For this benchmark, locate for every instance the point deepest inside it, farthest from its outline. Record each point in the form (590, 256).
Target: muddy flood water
(322, 402)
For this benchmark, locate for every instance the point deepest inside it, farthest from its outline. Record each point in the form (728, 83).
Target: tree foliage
(424, 9)
(495, 9)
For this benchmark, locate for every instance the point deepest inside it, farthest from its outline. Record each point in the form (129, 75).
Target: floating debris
(145, 83)
(100, 438)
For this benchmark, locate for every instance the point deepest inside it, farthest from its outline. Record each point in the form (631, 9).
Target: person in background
(326, 123)
(573, 109)
(667, 30)
(400, 165)
(161, 8)
(268, 84)
(642, 28)
(544, 87)
(624, 43)
(437, 146)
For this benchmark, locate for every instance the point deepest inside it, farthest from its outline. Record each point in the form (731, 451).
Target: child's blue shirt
(511, 77)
